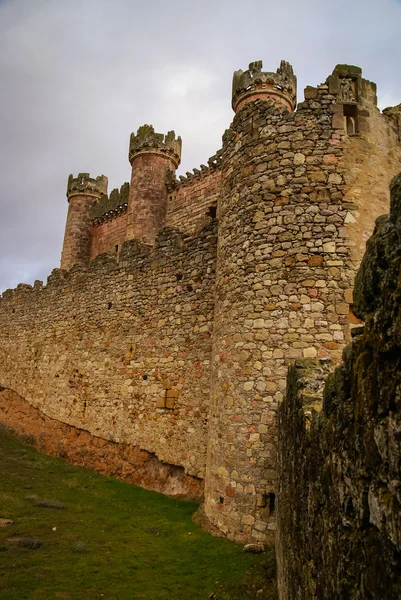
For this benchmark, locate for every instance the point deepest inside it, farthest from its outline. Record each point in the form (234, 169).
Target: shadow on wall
(77, 446)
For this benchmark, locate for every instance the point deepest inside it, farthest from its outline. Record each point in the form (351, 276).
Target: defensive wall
(177, 341)
(121, 349)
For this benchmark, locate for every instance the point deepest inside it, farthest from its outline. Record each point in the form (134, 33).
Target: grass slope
(101, 539)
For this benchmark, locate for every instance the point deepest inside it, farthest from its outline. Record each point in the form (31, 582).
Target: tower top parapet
(146, 141)
(281, 86)
(85, 184)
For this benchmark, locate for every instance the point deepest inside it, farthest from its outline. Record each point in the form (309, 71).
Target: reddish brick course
(109, 234)
(188, 206)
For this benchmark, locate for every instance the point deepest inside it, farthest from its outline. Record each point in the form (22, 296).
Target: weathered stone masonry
(287, 252)
(177, 342)
(339, 523)
(121, 350)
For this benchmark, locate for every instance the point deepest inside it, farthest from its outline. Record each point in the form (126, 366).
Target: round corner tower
(240, 480)
(152, 155)
(82, 192)
(279, 87)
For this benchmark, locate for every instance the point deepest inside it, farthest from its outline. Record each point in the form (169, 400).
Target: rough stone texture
(82, 192)
(281, 86)
(77, 446)
(151, 156)
(121, 349)
(290, 189)
(339, 523)
(283, 281)
(194, 198)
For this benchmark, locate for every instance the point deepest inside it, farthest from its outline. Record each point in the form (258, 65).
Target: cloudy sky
(77, 76)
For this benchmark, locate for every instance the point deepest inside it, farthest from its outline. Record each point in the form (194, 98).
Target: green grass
(79, 535)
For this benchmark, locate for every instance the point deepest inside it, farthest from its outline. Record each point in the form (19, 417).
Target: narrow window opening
(350, 118)
(116, 248)
(212, 212)
(350, 125)
(221, 500)
(110, 304)
(269, 501)
(144, 377)
(272, 503)
(179, 276)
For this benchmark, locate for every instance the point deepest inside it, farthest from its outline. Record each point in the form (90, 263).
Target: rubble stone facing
(148, 346)
(77, 446)
(284, 280)
(339, 512)
(121, 349)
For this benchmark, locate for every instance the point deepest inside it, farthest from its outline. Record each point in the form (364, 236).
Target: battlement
(214, 164)
(182, 300)
(85, 184)
(280, 86)
(146, 141)
(112, 205)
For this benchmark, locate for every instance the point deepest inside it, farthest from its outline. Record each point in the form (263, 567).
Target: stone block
(338, 121)
(161, 402)
(170, 402)
(310, 92)
(315, 261)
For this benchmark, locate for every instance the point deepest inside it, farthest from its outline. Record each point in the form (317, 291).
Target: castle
(159, 351)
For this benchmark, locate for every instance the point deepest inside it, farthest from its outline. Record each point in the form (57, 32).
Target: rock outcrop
(339, 521)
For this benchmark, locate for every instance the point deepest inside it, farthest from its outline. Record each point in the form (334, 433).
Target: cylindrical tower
(151, 156)
(82, 192)
(240, 471)
(280, 87)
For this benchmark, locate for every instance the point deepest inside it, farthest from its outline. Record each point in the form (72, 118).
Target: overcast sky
(77, 76)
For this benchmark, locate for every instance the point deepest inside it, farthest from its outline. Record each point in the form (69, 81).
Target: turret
(82, 192)
(280, 87)
(151, 156)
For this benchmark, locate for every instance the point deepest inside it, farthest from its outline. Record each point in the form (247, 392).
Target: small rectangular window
(350, 118)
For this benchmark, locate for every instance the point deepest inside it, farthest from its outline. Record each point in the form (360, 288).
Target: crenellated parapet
(146, 141)
(87, 185)
(214, 164)
(82, 192)
(111, 206)
(280, 87)
(151, 156)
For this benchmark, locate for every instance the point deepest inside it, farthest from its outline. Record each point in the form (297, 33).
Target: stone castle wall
(182, 351)
(192, 200)
(121, 349)
(339, 472)
(77, 446)
(109, 235)
(288, 249)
